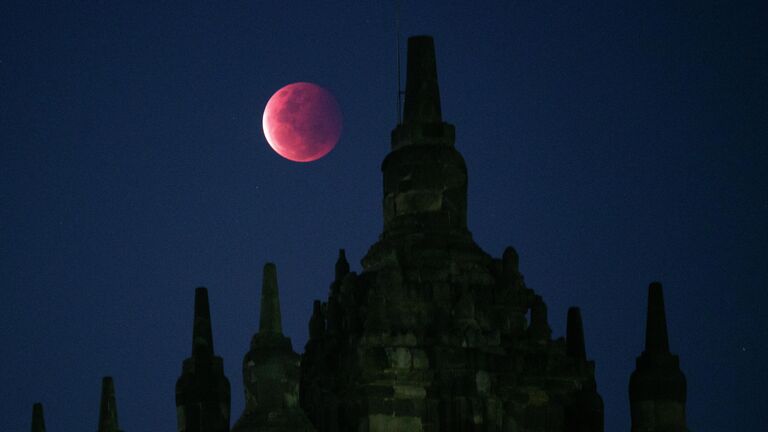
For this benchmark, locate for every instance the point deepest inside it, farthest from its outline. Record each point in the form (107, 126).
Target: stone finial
(271, 370)
(342, 265)
(425, 177)
(657, 387)
(269, 319)
(202, 390)
(574, 335)
(510, 264)
(422, 95)
(38, 421)
(656, 338)
(202, 336)
(108, 408)
(510, 261)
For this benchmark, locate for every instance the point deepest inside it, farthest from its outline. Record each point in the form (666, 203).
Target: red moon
(302, 122)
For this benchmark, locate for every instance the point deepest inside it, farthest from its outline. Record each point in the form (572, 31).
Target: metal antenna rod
(397, 41)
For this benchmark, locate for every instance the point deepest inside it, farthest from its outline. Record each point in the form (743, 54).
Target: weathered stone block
(405, 391)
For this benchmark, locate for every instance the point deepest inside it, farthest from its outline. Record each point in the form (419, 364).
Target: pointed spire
(271, 369)
(574, 335)
(202, 390)
(422, 96)
(425, 177)
(108, 408)
(38, 421)
(202, 336)
(269, 319)
(342, 266)
(656, 338)
(657, 387)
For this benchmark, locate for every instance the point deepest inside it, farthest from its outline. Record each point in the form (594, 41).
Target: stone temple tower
(435, 334)
(271, 371)
(108, 407)
(202, 390)
(657, 388)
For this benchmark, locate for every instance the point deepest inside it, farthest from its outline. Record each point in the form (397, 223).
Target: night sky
(611, 143)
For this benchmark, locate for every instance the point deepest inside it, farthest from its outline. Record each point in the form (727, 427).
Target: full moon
(302, 122)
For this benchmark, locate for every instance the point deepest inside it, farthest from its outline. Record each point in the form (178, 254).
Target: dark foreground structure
(433, 335)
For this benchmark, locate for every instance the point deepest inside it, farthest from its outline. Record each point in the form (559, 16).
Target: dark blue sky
(611, 143)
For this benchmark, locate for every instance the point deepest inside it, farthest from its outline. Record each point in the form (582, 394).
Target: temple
(433, 334)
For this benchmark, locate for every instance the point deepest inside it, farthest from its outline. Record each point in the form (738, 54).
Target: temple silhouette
(434, 334)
